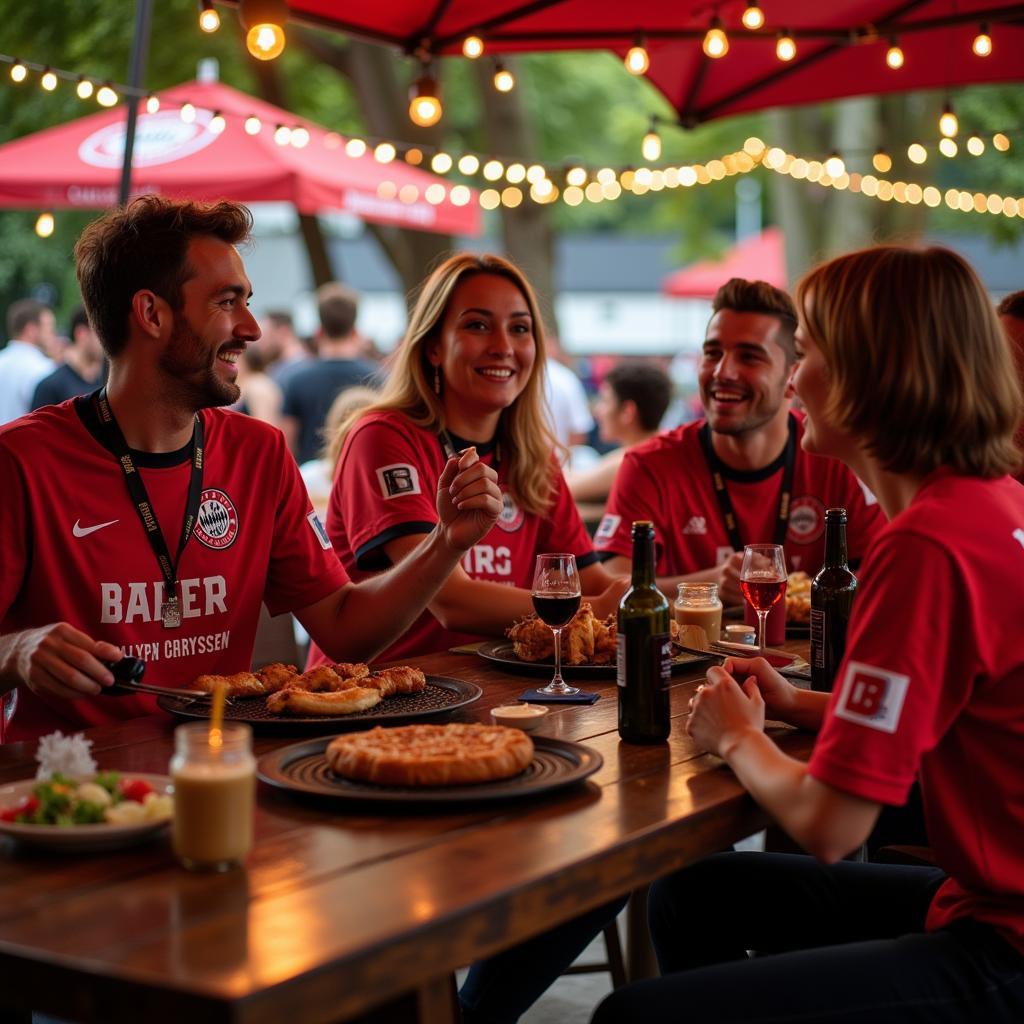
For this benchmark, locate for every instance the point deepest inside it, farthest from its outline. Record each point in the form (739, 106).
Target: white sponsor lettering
(187, 646)
(318, 528)
(198, 597)
(420, 214)
(147, 652)
(482, 559)
(606, 529)
(872, 696)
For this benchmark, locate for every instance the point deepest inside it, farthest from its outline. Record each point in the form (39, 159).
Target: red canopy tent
(78, 165)
(841, 45)
(759, 258)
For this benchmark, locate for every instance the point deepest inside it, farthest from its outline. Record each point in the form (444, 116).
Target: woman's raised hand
(468, 500)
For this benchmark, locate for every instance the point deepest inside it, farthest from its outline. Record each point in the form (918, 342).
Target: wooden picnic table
(342, 907)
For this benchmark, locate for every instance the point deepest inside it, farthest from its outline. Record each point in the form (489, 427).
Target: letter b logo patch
(872, 696)
(398, 480)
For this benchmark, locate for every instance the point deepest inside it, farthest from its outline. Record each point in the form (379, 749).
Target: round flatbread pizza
(431, 755)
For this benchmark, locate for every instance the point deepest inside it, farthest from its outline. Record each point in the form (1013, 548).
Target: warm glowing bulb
(753, 16)
(188, 113)
(948, 147)
(209, 20)
(651, 146)
(106, 97)
(975, 145)
(948, 124)
(384, 153)
(716, 42)
(916, 153)
(1001, 142)
(48, 81)
(982, 45)
(637, 59)
(469, 164)
(84, 88)
(441, 163)
(18, 72)
(894, 56)
(355, 148)
(785, 47)
(576, 177)
(834, 166)
(493, 170)
(282, 135)
(504, 80)
(515, 173)
(265, 41)
(152, 104)
(217, 123)
(44, 225)
(472, 47)
(882, 162)
(425, 110)
(253, 125)
(299, 137)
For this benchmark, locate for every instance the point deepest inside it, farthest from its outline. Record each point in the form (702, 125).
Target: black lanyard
(718, 471)
(170, 612)
(450, 451)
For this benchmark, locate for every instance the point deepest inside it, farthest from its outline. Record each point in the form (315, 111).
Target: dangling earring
(437, 380)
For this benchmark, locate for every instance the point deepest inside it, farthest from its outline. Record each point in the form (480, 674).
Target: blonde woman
(468, 374)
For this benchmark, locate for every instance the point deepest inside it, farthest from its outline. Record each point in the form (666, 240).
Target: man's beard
(191, 371)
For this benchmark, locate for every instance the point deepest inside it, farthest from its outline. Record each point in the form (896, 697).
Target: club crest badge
(806, 520)
(511, 516)
(217, 521)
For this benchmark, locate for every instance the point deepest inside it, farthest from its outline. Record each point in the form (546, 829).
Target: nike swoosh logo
(84, 531)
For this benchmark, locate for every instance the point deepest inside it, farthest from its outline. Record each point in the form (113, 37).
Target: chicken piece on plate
(321, 679)
(241, 684)
(277, 676)
(351, 670)
(531, 639)
(400, 679)
(578, 637)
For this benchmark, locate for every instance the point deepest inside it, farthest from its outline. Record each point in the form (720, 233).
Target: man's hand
(607, 602)
(722, 713)
(729, 579)
(60, 661)
(778, 693)
(468, 500)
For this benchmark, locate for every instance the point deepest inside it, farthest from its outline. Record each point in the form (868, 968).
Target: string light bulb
(716, 42)
(916, 153)
(785, 46)
(504, 80)
(753, 16)
(881, 161)
(18, 72)
(975, 145)
(894, 55)
(948, 123)
(1001, 142)
(948, 147)
(105, 95)
(651, 146)
(209, 19)
(49, 80)
(264, 23)
(187, 113)
(834, 165)
(152, 104)
(84, 89)
(217, 124)
(982, 45)
(638, 60)
(253, 125)
(472, 47)
(45, 225)
(424, 99)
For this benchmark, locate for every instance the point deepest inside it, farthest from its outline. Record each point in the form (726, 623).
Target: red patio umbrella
(759, 258)
(78, 165)
(841, 45)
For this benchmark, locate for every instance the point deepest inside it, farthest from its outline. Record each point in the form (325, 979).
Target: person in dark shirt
(309, 392)
(82, 369)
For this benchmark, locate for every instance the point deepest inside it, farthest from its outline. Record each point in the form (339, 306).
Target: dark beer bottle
(644, 654)
(832, 593)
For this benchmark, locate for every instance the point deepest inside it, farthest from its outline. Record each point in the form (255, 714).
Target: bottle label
(661, 653)
(620, 660)
(817, 638)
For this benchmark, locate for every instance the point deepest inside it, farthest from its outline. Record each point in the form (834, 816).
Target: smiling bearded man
(742, 464)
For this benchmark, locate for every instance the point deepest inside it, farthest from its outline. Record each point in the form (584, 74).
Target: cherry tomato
(135, 789)
(26, 805)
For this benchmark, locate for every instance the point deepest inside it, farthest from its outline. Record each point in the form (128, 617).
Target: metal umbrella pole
(136, 73)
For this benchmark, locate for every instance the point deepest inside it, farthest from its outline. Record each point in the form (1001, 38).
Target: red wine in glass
(762, 594)
(556, 609)
(763, 581)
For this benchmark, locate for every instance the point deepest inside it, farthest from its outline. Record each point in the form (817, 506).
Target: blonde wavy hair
(526, 440)
(919, 367)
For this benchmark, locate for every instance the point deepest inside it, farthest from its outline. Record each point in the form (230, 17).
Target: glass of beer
(556, 599)
(763, 581)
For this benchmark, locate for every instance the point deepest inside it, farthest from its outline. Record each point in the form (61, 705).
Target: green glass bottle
(644, 655)
(832, 593)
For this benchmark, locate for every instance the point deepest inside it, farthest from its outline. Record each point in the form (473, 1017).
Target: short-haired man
(284, 350)
(82, 367)
(740, 475)
(1011, 316)
(147, 519)
(27, 357)
(309, 393)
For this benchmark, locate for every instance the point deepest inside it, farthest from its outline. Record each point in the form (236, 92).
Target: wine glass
(556, 599)
(763, 581)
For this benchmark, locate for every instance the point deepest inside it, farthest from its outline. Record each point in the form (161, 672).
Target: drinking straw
(216, 736)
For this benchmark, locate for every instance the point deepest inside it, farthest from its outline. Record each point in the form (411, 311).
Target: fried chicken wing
(400, 679)
(276, 676)
(322, 679)
(241, 684)
(339, 702)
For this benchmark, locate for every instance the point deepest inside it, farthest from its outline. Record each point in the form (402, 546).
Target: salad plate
(81, 838)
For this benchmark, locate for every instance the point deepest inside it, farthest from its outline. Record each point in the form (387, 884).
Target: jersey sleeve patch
(606, 529)
(872, 696)
(318, 529)
(398, 480)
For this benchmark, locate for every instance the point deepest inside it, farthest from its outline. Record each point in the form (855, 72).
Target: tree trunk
(526, 229)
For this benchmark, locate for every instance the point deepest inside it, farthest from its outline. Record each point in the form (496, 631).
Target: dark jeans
(842, 944)
(501, 988)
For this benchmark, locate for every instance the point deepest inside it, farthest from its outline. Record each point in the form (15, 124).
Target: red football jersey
(72, 549)
(667, 479)
(933, 684)
(386, 487)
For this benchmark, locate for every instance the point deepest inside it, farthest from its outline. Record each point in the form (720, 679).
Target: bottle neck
(835, 543)
(643, 560)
